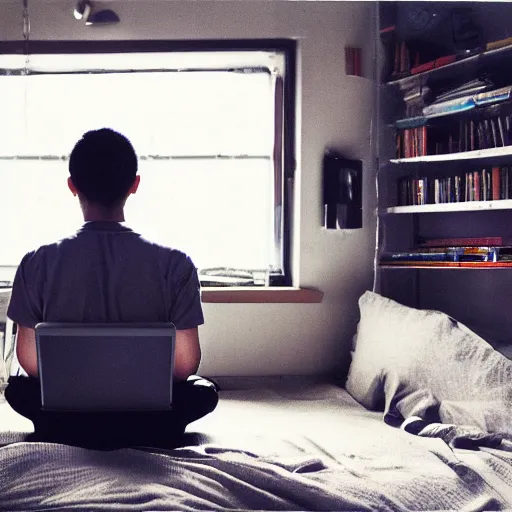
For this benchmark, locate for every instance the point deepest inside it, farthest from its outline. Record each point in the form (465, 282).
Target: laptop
(105, 367)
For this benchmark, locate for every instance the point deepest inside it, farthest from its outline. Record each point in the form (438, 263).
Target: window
(212, 136)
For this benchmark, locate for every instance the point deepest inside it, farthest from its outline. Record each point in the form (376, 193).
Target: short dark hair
(103, 167)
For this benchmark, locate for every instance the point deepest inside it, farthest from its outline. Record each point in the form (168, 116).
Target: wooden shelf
(453, 67)
(505, 204)
(451, 266)
(450, 157)
(252, 295)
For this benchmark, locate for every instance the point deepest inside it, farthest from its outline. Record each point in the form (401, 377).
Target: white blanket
(307, 449)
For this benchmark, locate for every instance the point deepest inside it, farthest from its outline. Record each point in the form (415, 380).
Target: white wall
(334, 109)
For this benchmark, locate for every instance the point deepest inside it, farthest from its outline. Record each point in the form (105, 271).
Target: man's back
(107, 273)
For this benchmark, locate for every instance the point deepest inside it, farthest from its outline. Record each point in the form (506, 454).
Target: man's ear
(135, 185)
(72, 187)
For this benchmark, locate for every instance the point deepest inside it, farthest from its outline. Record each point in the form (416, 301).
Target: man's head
(103, 169)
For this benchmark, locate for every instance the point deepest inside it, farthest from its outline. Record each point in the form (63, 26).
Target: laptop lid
(105, 367)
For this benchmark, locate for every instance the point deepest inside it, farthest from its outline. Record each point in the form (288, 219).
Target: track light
(84, 11)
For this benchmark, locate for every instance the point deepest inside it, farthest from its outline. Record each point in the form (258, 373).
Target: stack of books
(416, 98)
(465, 97)
(447, 254)
(411, 143)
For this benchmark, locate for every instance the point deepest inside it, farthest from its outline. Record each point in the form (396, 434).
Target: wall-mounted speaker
(342, 192)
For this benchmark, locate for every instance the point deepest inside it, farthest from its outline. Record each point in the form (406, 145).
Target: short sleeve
(25, 306)
(186, 310)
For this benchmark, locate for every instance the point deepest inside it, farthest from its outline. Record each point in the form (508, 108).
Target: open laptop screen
(105, 367)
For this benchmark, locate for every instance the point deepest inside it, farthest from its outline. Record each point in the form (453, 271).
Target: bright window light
(205, 140)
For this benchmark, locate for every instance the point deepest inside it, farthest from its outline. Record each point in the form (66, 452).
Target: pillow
(410, 361)
(486, 415)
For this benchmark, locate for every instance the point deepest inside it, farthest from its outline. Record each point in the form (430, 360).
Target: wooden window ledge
(256, 294)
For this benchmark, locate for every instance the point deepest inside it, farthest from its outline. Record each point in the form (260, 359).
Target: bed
(294, 445)
(310, 447)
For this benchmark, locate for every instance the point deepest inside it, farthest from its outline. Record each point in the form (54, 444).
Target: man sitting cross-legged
(108, 273)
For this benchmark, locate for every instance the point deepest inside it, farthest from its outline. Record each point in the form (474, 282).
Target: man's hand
(26, 350)
(187, 353)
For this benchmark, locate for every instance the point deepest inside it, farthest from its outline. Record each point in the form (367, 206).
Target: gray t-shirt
(106, 273)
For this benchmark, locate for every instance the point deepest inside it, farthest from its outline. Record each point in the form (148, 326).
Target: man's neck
(92, 214)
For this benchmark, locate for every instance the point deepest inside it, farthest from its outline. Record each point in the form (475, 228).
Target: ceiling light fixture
(84, 11)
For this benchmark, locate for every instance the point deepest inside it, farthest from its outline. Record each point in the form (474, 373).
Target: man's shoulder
(35, 255)
(165, 252)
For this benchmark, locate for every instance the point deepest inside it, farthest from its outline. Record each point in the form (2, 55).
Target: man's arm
(26, 350)
(187, 353)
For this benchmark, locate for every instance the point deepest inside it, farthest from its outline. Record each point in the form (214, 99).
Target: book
(418, 256)
(496, 189)
(502, 138)
(476, 186)
(487, 134)
(449, 107)
(477, 85)
(481, 139)
(387, 30)
(437, 63)
(500, 43)
(459, 254)
(463, 242)
(494, 133)
(495, 96)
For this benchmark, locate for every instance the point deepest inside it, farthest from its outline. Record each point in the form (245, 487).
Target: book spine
(496, 190)
(503, 139)
(487, 134)
(494, 134)
(481, 138)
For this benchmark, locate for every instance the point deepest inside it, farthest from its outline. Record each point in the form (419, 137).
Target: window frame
(284, 177)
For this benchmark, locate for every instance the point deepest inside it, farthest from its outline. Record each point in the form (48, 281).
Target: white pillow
(405, 357)
(487, 415)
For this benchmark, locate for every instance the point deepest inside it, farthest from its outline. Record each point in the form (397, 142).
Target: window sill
(258, 295)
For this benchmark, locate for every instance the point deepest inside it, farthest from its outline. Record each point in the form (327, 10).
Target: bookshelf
(477, 293)
(478, 267)
(504, 204)
(472, 61)
(478, 154)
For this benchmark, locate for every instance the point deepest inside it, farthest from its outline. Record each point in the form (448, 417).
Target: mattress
(286, 448)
